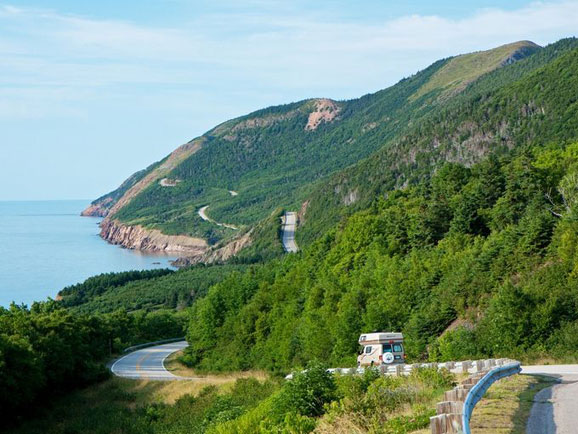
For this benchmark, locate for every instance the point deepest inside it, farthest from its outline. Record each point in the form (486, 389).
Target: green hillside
(276, 157)
(530, 102)
(477, 262)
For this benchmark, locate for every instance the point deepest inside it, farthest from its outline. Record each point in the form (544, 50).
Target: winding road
(555, 409)
(148, 363)
(289, 225)
(204, 216)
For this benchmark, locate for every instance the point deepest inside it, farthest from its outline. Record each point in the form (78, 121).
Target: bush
(308, 392)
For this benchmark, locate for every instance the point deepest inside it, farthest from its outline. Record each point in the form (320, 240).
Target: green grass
(462, 70)
(142, 407)
(506, 406)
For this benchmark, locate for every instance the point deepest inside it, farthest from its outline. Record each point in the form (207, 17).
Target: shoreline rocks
(191, 250)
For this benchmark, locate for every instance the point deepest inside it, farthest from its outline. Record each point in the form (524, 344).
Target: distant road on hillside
(203, 214)
(148, 363)
(288, 229)
(555, 409)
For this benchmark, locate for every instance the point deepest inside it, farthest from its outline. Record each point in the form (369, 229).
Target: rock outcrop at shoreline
(150, 240)
(192, 250)
(98, 209)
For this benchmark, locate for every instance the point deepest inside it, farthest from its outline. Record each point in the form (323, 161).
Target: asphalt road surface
(203, 214)
(289, 225)
(148, 363)
(555, 409)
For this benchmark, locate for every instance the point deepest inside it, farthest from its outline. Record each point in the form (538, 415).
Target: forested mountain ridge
(277, 156)
(531, 102)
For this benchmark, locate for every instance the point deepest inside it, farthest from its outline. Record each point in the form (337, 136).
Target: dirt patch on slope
(325, 111)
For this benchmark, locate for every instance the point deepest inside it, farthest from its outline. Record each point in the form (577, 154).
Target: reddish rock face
(192, 250)
(150, 240)
(325, 111)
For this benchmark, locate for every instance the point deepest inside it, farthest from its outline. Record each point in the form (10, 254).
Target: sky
(92, 91)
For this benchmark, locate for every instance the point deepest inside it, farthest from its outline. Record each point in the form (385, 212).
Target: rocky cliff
(192, 250)
(150, 240)
(99, 209)
(218, 253)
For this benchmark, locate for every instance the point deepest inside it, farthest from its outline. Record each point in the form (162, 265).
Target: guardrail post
(438, 424)
(449, 407)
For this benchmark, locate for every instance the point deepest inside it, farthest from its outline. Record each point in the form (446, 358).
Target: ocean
(46, 245)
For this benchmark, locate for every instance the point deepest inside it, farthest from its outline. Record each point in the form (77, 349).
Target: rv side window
(386, 348)
(397, 348)
(367, 350)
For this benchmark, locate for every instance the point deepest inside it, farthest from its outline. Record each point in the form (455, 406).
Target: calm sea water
(45, 246)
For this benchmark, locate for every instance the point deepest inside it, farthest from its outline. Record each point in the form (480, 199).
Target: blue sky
(91, 91)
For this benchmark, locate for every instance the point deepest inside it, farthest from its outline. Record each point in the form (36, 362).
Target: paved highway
(148, 363)
(203, 214)
(555, 409)
(288, 228)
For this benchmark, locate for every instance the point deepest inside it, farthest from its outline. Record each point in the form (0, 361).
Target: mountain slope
(529, 103)
(474, 262)
(277, 156)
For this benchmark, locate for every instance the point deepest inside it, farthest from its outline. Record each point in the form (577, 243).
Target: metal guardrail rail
(477, 392)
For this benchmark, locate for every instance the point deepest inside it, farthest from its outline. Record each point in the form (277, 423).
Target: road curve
(554, 409)
(288, 230)
(203, 214)
(148, 363)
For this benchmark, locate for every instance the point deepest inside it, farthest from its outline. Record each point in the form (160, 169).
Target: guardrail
(150, 344)
(465, 367)
(477, 392)
(455, 412)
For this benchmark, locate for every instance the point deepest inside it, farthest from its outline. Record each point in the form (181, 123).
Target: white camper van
(383, 348)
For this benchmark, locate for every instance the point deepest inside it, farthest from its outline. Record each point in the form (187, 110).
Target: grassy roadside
(506, 406)
(174, 366)
(126, 406)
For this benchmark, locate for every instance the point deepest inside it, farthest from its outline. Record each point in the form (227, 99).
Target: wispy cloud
(48, 55)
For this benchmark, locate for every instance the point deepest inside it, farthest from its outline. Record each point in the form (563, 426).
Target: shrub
(308, 392)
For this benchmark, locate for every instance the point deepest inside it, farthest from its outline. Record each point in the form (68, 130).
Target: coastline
(189, 250)
(150, 240)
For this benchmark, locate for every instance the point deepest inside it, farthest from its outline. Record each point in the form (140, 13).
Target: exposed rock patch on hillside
(325, 111)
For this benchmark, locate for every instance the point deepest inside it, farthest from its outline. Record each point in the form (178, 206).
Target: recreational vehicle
(383, 348)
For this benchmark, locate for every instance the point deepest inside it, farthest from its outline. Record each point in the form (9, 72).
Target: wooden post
(446, 423)
(450, 407)
(438, 424)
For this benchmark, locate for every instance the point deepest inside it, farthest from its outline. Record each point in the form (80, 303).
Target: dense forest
(476, 262)
(47, 350)
(144, 290)
(524, 104)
